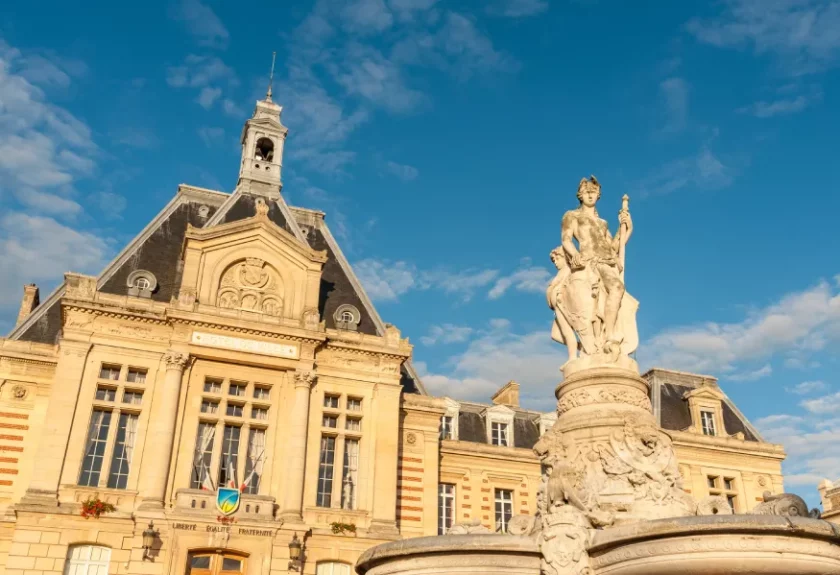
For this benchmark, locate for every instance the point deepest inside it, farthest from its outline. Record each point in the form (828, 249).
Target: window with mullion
(499, 433)
(707, 420)
(97, 441)
(203, 456)
(123, 450)
(446, 507)
(229, 462)
(504, 509)
(254, 461)
(326, 468)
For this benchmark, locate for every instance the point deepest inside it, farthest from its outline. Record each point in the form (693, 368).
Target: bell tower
(263, 138)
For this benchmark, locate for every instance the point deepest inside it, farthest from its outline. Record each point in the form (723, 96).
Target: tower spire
(270, 77)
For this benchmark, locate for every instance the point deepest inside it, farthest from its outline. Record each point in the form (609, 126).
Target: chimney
(508, 395)
(29, 302)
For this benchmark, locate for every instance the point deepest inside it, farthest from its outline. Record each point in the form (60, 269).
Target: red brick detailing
(8, 482)
(401, 478)
(485, 508)
(467, 515)
(12, 437)
(485, 499)
(523, 494)
(523, 485)
(407, 518)
(14, 426)
(20, 449)
(8, 459)
(412, 459)
(465, 506)
(466, 496)
(407, 508)
(409, 498)
(486, 490)
(466, 487)
(485, 481)
(417, 469)
(487, 517)
(18, 415)
(409, 488)
(8, 471)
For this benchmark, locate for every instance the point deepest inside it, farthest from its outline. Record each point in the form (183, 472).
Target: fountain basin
(488, 554)
(720, 544)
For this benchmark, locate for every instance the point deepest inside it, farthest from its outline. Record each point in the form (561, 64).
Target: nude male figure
(596, 250)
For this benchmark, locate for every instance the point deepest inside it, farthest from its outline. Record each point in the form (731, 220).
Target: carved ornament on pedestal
(305, 378)
(175, 359)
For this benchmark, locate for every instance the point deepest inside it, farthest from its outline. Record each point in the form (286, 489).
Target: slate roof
(472, 425)
(159, 253)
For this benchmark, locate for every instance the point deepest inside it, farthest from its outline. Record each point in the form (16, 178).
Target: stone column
(293, 504)
(161, 434)
(61, 410)
(387, 411)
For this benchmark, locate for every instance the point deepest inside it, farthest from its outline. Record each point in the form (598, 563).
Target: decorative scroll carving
(609, 394)
(785, 504)
(175, 359)
(251, 285)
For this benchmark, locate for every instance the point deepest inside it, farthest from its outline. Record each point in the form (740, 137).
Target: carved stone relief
(251, 285)
(608, 394)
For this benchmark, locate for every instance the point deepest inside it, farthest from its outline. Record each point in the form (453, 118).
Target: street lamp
(295, 548)
(149, 536)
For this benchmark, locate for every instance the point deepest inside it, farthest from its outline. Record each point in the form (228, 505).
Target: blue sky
(445, 141)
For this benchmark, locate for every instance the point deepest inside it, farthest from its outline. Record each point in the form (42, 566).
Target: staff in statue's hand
(625, 228)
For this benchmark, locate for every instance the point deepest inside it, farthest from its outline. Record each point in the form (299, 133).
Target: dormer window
(707, 422)
(141, 283)
(447, 426)
(499, 434)
(347, 317)
(449, 420)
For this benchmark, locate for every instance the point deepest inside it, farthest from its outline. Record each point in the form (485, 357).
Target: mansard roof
(157, 249)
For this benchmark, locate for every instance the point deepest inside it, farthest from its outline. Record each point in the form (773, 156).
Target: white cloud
(703, 170)
(202, 22)
(110, 204)
(799, 324)
(827, 404)
(804, 33)
(447, 333)
(403, 171)
(517, 8)
(47, 203)
(497, 355)
(366, 16)
(208, 96)
(210, 136)
(674, 92)
(470, 49)
(39, 249)
(752, 375)
(812, 445)
(367, 73)
(528, 279)
(781, 107)
(231, 109)
(807, 387)
(386, 281)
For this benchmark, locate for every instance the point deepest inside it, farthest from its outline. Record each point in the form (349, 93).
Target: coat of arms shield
(227, 500)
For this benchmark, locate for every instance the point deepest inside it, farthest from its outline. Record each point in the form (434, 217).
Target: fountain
(611, 499)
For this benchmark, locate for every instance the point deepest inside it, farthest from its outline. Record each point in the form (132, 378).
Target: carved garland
(251, 285)
(610, 394)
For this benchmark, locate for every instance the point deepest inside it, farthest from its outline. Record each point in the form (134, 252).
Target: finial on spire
(270, 77)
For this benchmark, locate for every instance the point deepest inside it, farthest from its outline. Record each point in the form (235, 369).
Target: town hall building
(223, 398)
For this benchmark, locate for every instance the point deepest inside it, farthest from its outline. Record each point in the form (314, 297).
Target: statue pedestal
(622, 464)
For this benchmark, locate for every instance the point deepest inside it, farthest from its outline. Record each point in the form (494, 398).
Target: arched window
(332, 568)
(215, 563)
(265, 150)
(87, 560)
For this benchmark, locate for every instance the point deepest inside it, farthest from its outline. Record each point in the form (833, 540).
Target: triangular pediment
(708, 391)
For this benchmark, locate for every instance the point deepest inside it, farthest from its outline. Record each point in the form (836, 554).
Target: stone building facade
(224, 387)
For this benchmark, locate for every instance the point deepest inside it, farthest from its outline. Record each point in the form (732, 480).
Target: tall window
(256, 458)
(341, 425)
(230, 445)
(499, 433)
(123, 450)
(112, 430)
(707, 420)
(203, 457)
(504, 509)
(446, 427)
(230, 457)
(446, 507)
(87, 560)
(97, 441)
(325, 471)
(350, 474)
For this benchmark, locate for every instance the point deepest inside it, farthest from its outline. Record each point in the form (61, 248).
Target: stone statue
(592, 312)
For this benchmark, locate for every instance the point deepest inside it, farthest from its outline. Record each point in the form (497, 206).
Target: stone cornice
(471, 449)
(250, 328)
(728, 444)
(368, 350)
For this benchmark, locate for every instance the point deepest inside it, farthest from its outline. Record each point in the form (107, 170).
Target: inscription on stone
(185, 526)
(241, 344)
